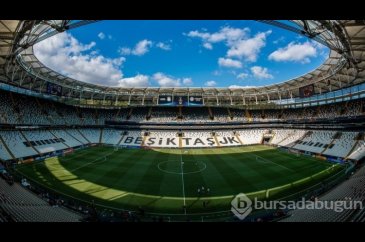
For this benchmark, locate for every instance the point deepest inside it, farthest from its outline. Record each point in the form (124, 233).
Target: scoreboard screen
(306, 91)
(180, 100)
(54, 89)
(165, 100)
(195, 101)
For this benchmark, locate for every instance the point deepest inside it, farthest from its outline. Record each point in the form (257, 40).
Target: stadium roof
(344, 66)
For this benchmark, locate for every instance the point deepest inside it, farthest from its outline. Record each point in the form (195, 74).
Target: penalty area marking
(180, 173)
(96, 161)
(273, 163)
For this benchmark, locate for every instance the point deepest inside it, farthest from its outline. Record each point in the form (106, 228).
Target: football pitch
(167, 180)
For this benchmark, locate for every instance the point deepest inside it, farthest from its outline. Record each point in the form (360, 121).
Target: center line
(182, 179)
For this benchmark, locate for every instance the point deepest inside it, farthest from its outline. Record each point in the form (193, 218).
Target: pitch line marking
(275, 163)
(182, 179)
(93, 161)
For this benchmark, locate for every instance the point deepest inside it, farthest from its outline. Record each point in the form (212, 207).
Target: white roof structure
(344, 67)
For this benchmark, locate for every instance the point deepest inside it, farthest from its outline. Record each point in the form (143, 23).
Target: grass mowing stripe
(130, 177)
(93, 162)
(233, 177)
(74, 161)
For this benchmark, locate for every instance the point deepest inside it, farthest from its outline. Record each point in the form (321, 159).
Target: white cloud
(248, 48)
(208, 46)
(236, 86)
(242, 76)
(163, 46)
(101, 35)
(164, 80)
(279, 40)
(136, 81)
(67, 55)
(94, 52)
(125, 51)
(198, 34)
(110, 36)
(210, 83)
(229, 63)
(295, 52)
(224, 34)
(187, 81)
(141, 48)
(238, 41)
(261, 72)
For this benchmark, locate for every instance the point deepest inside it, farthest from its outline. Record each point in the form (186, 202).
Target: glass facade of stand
(346, 94)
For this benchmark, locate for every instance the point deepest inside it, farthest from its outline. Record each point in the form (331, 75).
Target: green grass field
(162, 180)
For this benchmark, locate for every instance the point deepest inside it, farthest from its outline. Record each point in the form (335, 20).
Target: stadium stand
(30, 143)
(111, 137)
(351, 190)
(30, 111)
(25, 206)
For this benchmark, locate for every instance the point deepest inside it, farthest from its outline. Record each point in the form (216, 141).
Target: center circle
(179, 168)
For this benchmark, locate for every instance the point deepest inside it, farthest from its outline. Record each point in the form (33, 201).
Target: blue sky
(185, 53)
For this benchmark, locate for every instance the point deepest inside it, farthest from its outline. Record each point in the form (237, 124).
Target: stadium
(72, 150)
